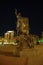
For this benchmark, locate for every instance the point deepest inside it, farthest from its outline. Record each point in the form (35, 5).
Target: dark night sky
(34, 11)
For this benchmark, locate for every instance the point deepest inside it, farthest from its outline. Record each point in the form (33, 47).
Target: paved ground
(28, 56)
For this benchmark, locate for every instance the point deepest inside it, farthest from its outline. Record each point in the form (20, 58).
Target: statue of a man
(18, 15)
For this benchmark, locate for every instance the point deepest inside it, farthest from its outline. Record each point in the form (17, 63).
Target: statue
(22, 24)
(18, 15)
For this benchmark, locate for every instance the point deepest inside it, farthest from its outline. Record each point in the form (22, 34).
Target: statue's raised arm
(17, 14)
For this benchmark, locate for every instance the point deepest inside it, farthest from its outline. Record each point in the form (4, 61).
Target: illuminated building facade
(9, 35)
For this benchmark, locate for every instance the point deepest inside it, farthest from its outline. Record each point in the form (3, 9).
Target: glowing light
(41, 40)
